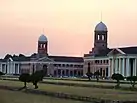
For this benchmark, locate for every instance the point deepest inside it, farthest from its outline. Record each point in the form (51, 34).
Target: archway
(45, 69)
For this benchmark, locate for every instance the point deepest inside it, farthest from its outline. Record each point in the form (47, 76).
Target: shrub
(117, 77)
(132, 80)
(25, 77)
(36, 77)
(97, 74)
(1, 73)
(89, 74)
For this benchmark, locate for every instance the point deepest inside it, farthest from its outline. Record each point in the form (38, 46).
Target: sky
(68, 24)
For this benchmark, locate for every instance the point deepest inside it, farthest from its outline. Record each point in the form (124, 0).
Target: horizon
(68, 24)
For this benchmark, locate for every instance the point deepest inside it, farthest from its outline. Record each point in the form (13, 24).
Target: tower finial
(43, 30)
(101, 16)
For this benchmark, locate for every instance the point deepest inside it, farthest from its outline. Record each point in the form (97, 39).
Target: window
(103, 37)
(98, 37)
(63, 65)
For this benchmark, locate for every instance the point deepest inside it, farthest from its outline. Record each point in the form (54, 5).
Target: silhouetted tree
(89, 74)
(36, 77)
(97, 74)
(117, 77)
(132, 80)
(1, 73)
(7, 56)
(25, 77)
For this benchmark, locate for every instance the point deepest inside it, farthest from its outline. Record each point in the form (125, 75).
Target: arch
(63, 72)
(71, 73)
(79, 74)
(67, 72)
(75, 72)
(55, 73)
(45, 69)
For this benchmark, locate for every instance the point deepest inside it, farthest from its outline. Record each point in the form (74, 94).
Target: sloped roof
(129, 50)
(66, 59)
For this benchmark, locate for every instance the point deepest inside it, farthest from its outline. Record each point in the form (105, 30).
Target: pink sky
(68, 24)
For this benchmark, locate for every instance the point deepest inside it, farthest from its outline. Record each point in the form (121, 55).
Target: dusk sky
(68, 24)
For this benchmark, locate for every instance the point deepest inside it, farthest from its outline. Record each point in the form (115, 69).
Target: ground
(83, 91)
(19, 97)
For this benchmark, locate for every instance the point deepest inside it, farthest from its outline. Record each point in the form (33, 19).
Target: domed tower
(42, 46)
(100, 39)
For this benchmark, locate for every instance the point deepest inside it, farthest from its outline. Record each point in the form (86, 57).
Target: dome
(43, 38)
(101, 27)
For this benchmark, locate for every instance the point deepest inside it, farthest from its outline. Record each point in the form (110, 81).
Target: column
(109, 68)
(18, 69)
(127, 67)
(1, 67)
(134, 67)
(123, 67)
(115, 67)
(14, 68)
(120, 68)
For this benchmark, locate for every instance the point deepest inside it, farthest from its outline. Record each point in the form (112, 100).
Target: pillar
(1, 67)
(18, 69)
(109, 67)
(127, 67)
(115, 67)
(134, 67)
(120, 66)
(123, 66)
(14, 68)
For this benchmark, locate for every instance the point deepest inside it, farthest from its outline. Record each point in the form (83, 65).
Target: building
(109, 60)
(101, 58)
(53, 65)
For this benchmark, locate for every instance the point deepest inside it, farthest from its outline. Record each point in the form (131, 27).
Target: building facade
(57, 66)
(101, 58)
(109, 60)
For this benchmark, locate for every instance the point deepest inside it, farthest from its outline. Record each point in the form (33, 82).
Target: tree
(132, 80)
(117, 77)
(1, 73)
(25, 77)
(97, 74)
(89, 74)
(36, 77)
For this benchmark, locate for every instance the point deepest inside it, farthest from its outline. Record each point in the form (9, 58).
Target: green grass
(83, 91)
(19, 97)
(87, 82)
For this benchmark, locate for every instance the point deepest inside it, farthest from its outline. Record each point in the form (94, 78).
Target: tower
(100, 39)
(42, 46)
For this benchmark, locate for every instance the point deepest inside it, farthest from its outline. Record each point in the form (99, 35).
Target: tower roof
(43, 38)
(101, 27)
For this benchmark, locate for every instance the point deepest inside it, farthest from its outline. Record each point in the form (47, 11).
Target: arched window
(103, 37)
(98, 37)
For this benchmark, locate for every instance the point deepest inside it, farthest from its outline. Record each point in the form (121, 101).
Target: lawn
(83, 91)
(19, 97)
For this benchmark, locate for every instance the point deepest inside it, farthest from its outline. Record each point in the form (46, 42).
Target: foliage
(117, 77)
(89, 74)
(132, 80)
(97, 74)
(25, 77)
(36, 77)
(1, 73)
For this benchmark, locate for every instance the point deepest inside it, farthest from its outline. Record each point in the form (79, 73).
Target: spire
(43, 31)
(101, 17)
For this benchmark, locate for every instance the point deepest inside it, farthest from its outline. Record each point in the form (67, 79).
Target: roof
(55, 58)
(129, 50)
(101, 27)
(15, 58)
(43, 38)
(67, 59)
